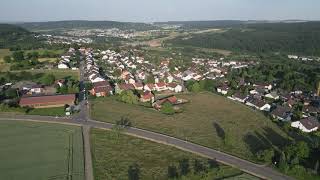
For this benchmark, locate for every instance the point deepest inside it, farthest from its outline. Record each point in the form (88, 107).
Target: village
(113, 73)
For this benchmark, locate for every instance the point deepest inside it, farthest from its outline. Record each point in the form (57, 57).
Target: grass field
(56, 111)
(40, 151)
(58, 73)
(113, 153)
(4, 66)
(210, 120)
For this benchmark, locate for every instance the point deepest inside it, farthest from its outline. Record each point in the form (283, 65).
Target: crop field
(114, 152)
(58, 73)
(40, 151)
(210, 120)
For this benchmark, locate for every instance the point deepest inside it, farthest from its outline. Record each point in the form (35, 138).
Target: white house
(174, 87)
(63, 66)
(258, 104)
(272, 95)
(307, 125)
(161, 86)
(223, 90)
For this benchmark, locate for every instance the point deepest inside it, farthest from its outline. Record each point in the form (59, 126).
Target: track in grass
(40, 151)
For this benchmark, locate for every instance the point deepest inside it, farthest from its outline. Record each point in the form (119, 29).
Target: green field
(4, 66)
(210, 120)
(113, 153)
(58, 73)
(55, 111)
(32, 151)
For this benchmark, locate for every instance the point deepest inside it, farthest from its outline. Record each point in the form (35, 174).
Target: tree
(18, 55)
(266, 155)
(302, 149)
(283, 165)
(124, 122)
(316, 167)
(199, 167)
(128, 97)
(167, 108)
(150, 79)
(184, 166)
(48, 79)
(196, 87)
(7, 59)
(172, 171)
(134, 172)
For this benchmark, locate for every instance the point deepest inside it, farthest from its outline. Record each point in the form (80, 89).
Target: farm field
(32, 150)
(210, 120)
(114, 152)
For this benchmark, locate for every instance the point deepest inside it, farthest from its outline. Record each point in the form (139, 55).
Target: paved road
(246, 166)
(87, 153)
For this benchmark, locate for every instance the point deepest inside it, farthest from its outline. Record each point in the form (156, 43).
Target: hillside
(298, 38)
(40, 26)
(12, 36)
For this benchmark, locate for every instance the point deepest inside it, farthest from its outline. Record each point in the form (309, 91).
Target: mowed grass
(113, 153)
(30, 150)
(210, 120)
(55, 111)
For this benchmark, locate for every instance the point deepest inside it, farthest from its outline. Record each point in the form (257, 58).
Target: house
(223, 89)
(258, 104)
(240, 97)
(282, 113)
(124, 87)
(138, 86)
(161, 86)
(174, 87)
(47, 101)
(36, 89)
(95, 78)
(272, 95)
(102, 88)
(62, 65)
(307, 125)
(158, 103)
(265, 86)
(146, 96)
(149, 87)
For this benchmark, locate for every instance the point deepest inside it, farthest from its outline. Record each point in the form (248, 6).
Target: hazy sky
(158, 10)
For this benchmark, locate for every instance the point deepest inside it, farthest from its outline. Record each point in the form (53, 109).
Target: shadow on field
(220, 132)
(267, 139)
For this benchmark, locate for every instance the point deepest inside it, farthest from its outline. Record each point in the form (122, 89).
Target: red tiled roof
(24, 101)
(161, 84)
(126, 86)
(172, 85)
(101, 84)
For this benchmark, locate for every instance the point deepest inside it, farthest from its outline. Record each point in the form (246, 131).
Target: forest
(296, 38)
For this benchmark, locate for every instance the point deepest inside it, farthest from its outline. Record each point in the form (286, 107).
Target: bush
(124, 122)
(167, 108)
(134, 172)
(172, 172)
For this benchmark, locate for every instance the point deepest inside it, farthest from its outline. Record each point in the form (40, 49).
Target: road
(246, 166)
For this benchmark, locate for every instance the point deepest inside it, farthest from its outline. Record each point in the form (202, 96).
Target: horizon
(157, 11)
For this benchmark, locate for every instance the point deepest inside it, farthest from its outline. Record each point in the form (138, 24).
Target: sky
(157, 10)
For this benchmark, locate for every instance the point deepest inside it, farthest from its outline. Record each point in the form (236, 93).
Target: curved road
(246, 166)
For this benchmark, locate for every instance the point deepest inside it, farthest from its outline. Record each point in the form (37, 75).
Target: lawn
(40, 151)
(210, 120)
(113, 153)
(55, 111)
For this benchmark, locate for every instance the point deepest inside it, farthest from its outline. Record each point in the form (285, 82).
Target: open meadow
(210, 120)
(40, 151)
(114, 152)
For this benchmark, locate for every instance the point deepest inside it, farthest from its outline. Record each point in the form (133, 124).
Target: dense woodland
(296, 38)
